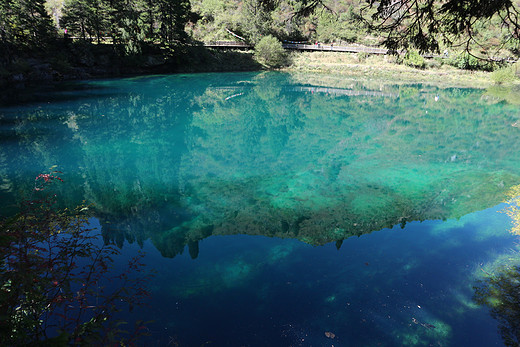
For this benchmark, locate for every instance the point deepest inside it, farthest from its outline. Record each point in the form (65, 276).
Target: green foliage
(345, 26)
(467, 61)
(503, 75)
(215, 17)
(362, 56)
(516, 68)
(438, 25)
(256, 19)
(172, 17)
(24, 24)
(86, 18)
(500, 293)
(131, 25)
(54, 9)
(52, 272)
(436, 63)
(434, 22)
(135, 25)
(270, 52)
(126, 27)
(414, 59)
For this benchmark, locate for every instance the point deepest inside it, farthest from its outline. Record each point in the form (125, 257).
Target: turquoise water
(290, 210)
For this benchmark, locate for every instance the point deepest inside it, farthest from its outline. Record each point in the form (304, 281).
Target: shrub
(362, 56)
(52, 277)
(434, 63)
(270, 52)
(516, 68)
(503, 75)
(414, 59)
(466, 61)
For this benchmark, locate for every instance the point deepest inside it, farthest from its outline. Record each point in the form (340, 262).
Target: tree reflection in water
(174, 159)
(500, 290)
(501, 293)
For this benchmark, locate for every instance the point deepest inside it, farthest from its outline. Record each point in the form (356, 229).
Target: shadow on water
(175, 159)
(34, 95)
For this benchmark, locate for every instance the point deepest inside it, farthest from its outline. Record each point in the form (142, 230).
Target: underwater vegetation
(175, 159)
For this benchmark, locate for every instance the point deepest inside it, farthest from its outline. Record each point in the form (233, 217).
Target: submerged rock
(330, 335)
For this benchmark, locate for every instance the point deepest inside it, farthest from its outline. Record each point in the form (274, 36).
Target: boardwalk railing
(303, 47)
(227, 44)
(333, 48)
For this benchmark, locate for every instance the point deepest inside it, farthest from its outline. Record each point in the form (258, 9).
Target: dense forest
(77, 29)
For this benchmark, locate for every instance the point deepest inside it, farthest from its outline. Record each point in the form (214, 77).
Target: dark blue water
(286, 210)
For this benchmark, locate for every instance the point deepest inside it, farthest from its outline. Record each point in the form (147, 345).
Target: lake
(289, 210)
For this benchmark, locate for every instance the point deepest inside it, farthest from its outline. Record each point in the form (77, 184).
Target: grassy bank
(387, 68)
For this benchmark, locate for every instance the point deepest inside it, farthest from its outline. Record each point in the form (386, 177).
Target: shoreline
(351, 65)
(385, 68)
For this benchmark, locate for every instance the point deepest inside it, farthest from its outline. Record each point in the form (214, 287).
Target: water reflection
(513, 208)
(176, 159)
(498, 282)
(500, 293)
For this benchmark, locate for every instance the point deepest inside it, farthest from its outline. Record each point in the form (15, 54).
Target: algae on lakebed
(307, 156)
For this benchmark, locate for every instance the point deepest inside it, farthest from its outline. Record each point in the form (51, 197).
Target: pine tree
(127, 25)
(24, 24)
(86, 18)
(172, 16)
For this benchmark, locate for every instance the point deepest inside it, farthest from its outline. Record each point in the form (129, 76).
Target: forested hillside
(479, 29)
(133, 23)
(128, 24)
(167, 28)
(287, 20)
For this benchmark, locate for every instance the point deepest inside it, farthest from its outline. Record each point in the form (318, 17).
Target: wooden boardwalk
(334, 48)
(303, 47)
(227, 44)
